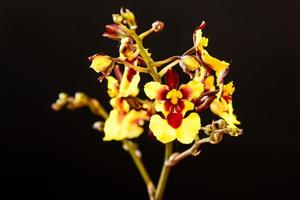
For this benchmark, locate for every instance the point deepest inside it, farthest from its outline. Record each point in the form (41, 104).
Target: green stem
(131, 148)
(162, 62)
(164, 173)
(148, 60)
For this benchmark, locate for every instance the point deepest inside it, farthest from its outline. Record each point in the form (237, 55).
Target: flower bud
(116, 32)
(100, 63)
(189, 63)
(216, 137)
(158, 26)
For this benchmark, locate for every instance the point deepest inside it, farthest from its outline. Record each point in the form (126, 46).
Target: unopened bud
(158, 26)
(100, 63)
(189, 63)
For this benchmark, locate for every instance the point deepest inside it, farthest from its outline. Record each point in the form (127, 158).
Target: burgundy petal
(172, 79)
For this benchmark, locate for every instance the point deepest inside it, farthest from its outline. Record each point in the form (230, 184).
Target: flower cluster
(177, 107)
(173, 108)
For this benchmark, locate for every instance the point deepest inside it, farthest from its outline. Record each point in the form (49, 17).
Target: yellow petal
(209, 83)
(160, 107)
(214, 63)
(228, 89)
(188, 105)
(100, 63)
(200, 42)
(152, 89)
(112, 126)
(189, 63)
(218, 107)
(189, 128)
(161, 129)
(196, 88)
(112, 85)
(129, 88)
(130, 126)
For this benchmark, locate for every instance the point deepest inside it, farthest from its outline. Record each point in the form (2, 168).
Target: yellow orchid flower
(119, 125)
(223, 106)
(174, 103)
(220, 67)
(128, 85)
(123, 122)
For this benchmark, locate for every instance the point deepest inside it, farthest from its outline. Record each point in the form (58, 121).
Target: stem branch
(164, 173)
(135, 154)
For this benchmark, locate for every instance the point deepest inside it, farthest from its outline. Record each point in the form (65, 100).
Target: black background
(48, 155)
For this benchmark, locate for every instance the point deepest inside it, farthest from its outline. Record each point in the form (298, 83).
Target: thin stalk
(148, 60)
(132, 150)
(164, 172)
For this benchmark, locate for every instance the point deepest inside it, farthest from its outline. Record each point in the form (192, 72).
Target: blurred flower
(123, 122)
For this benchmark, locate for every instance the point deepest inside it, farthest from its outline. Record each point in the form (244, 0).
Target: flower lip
(175, 119)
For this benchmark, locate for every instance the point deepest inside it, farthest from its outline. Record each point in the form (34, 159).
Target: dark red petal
(131, 73)
(172, 79)
(174, 119)
(186, 92)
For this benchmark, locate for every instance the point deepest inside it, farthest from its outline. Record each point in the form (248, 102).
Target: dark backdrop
(48, 155)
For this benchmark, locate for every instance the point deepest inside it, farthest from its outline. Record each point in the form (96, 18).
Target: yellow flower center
(174, 95)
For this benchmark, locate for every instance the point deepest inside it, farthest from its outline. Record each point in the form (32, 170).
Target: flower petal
(112, 126)
(129, 87)
(192, 89)
(112, 86)
(161, 129)
(189, 63)
(189, 129)
(172, 79)
(214, 63)
(155, 90)
(130, 124)
(188, 105)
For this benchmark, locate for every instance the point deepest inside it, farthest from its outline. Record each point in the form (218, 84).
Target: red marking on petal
(131, 73)
(174, 119)
(162, 93)
(167, 105)
(171, 108)
(172, 79)
(186, 92)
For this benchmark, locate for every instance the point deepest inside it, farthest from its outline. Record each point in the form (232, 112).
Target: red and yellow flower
(173, 103)
(124, 122)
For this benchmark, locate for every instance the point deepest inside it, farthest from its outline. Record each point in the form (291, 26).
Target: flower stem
(164, 172)
(148, 60)
(133, 151)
